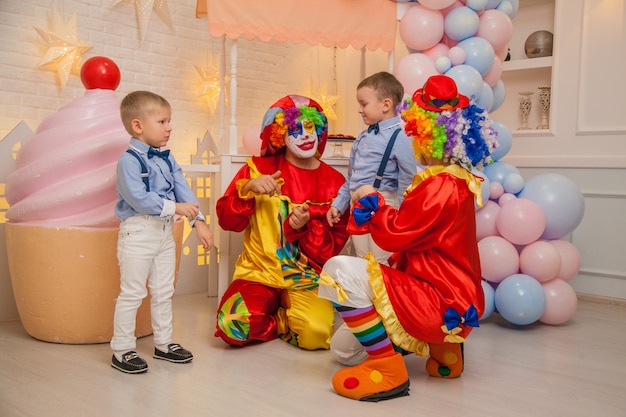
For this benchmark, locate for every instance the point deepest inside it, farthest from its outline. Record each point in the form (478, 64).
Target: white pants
(364, 243)
(351, 274)
(146, 253)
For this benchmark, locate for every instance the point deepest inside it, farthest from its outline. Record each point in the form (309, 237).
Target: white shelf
(529, 63)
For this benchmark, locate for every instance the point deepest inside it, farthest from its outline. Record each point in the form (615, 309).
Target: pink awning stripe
(356, 23)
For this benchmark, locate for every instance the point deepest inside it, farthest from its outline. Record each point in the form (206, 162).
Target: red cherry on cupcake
(100, 72)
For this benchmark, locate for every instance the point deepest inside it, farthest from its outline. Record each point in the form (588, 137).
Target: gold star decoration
(143, 9)
(326, 101)
(210, 86)
(64, 49)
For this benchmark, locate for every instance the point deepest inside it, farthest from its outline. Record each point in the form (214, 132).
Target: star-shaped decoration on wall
(143, 9)
(210, 87)
(64, 48)
(326, 101)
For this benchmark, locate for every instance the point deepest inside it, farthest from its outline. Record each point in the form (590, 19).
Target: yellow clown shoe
(446, 360)
(374, 379)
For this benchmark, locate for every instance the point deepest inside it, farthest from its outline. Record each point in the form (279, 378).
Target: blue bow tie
(161, 154)
(373, 128)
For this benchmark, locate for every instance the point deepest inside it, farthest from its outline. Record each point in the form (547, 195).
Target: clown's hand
(265, 184)
(299, 217)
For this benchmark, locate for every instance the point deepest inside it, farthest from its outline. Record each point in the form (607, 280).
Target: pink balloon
(437, 51)
(436, 4)
(521, 221)
(413, 70)
(570, 259)
(496, 28)
(486, 220)
(495, 190)
(252, 140)
(421, 28)
(456, 55)
(493, 75)
(502, 52)
(561, 302)
(498, 258)
(540, 260)
(505, 198)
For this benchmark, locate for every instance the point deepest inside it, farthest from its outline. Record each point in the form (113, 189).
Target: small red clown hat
(440, 93)
(286, 110)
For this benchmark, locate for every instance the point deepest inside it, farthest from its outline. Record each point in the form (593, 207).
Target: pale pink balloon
(561, 302)
(570, 259)
(540, 260)
(457, 55)
(505, 198)
(498, 258)
(252, 140)
(495, 73)
(437, 4)
(413, 70)
(486, 220)
(421, 28)
(496, 28)
(437, 51)
(495, 190)
(521, 221)
(502, 52)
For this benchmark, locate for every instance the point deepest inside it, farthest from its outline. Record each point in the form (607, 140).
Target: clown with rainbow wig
(279, 200)
(429, 298)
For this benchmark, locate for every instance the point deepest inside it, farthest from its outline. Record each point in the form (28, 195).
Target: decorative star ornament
(210, 87)
(327, 102)
(143, 9)
(64, 49)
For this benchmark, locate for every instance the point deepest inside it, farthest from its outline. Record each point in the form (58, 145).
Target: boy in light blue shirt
(378, 96)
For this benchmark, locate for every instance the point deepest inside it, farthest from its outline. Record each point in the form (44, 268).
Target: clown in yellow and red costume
(279, 200)
(429, 298)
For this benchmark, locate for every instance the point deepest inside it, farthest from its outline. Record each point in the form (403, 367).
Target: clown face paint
(302, 141)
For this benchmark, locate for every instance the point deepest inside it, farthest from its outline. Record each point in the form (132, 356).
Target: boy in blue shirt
(378, 96)
(152, 189)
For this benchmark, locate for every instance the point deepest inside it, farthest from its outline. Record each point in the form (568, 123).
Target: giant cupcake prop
(62, 231)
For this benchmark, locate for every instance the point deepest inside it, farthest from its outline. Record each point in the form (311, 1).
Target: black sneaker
(175, 353)
(131, 363)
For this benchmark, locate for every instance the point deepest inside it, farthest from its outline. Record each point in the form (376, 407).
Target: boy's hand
(362, 191)
(204, 234)
(299, 217)
(189, 210)
(333, 216)
(265, 184)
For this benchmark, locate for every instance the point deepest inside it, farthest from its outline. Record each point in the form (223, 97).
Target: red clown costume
(429, 298)
(274, 288)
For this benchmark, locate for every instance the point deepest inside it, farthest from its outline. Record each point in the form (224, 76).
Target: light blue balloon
(485, 100)
(485, 187)
(478, 53)
(561, 200)
(468, 80)
(505, 140)
(477, 5)
(509, 7)
(499, 170)
(443, 64)
(498, 95)
(490, 299)
(492, 4)
(461, 23)
(520, 299)
(513, 183)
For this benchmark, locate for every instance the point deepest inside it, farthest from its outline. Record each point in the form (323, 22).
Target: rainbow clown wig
(286, 115)
(445, 125)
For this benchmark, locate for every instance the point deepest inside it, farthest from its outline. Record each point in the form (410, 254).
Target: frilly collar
(472, 181)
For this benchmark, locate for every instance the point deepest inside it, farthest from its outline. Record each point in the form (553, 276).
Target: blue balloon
(499, 170)
(520, 299)
(560, 199)
(485, 100)
(509, 7)
(443, 64)
(485, 187)
(478, 53)
(513, 183)
(505, 140)
(468, 80)
(490, 300)
(498, 95)
(461, 23)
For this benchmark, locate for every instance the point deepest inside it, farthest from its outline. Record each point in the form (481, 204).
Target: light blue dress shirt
(365, 158)
(166, 187)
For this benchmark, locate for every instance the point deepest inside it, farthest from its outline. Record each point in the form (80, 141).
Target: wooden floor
(578, 369)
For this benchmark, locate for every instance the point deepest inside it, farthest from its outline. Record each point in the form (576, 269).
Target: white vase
(544, 104)
(525, 105)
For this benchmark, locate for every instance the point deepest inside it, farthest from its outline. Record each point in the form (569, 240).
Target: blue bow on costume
(453, 319)
(365, 209)
(373, 128)
(161, 154)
